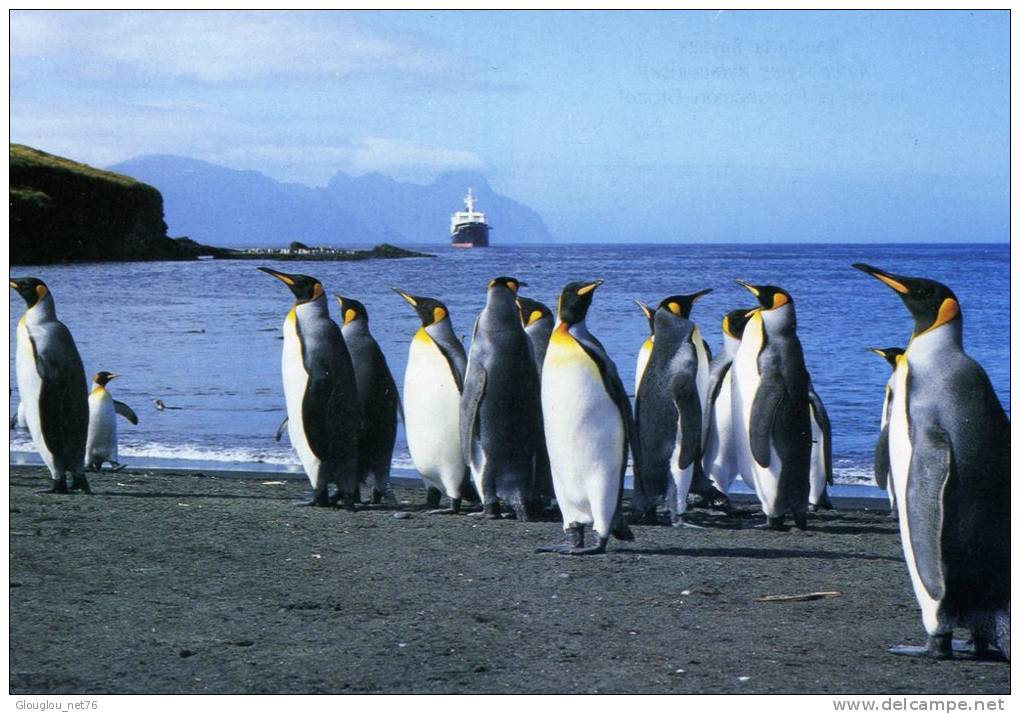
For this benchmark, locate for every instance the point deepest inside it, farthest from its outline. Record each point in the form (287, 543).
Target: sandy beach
(174, 582)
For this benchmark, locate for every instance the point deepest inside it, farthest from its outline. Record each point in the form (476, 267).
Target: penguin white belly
(432, 416)
(101, 444)
(584, 435)
(720, 456)
(702, 377)
(900, 452)
(682, 478)
(295, 380)
(30, 387)
(746, 381)
(818, 475)
(642, 362)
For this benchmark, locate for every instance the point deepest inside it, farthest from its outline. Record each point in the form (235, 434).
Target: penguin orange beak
(885, 277)
(747, 286)
(644, 308)
(409, 298)
(282, 277)
(590, 286)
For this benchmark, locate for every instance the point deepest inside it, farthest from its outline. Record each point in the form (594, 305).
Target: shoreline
(180, 583)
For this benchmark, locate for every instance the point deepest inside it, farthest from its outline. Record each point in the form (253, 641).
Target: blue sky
(635, 126)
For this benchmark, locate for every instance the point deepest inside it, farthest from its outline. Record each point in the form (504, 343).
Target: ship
(468, 229)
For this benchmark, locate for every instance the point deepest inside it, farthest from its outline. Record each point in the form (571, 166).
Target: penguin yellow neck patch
(948, 310)
(421, 336)
(534, 317)
(438, 314)
(778, 300)
(350, 316)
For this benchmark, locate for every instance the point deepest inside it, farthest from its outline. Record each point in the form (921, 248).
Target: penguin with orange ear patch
(949, 464)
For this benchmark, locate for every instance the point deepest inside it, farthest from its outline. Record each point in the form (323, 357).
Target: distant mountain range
(221, 206)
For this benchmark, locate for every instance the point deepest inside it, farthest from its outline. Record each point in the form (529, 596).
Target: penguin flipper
(471, 399)
(930, 468)
(822, 417)
(768, 401)
(127, 412)
(14, 421)
(283, 427)
(882, 459)
(688, 406)
(715, 381)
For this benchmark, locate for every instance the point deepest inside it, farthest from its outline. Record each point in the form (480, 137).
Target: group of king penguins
(536, 413)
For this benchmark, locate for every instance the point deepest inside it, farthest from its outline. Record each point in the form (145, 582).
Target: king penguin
(588, 428)
(500, 411)
(538, 324)
(101, 445)
(51, 384)
(668, 412)
(720, 461)
(377, 394)
(892, 356)
(949, 464)
(821, 453)
(645, 350)
(770, 399)
(321, 392)
(433, 382)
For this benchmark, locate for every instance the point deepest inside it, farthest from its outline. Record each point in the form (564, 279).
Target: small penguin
(500, 410)
(588, 428)
(51, 384)
(377, 394)
(770, 399)
(720, 461)
(892, 355)
(538, 324)
(821, 453)
(101, 445)
(646, 347)
(321, 392)
(668, 411)
(433, 382)
(949, 464)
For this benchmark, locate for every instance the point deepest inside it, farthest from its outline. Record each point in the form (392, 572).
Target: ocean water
(205, 337)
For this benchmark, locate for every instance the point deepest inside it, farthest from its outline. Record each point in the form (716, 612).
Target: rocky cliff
(63, 212)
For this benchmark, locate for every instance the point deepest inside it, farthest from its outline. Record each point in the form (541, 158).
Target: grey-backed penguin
(101, 445)
(433, 382)
(719, 460)
(668, 412)
(500, 411)
(949, 464)
(821, 453)
(51, 384)
(588, 428)
(892, 356)
(377, 394)
(770, 399)
(538, 323)
(321, 392)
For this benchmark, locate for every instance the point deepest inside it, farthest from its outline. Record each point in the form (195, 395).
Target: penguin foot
(80, 483)
(623, 532)
(573, 539)
(55, 487)
(117, 467)
(491, 511)
(597, 549)
(678, 521)
(377, 496)
(776, 524)
(318, 500)
(939, 647)
(433, 497)
(443, 512)
(800, 521)
(646, 517)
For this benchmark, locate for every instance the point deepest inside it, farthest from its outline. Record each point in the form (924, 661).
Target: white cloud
(401, 158)
(215, 46)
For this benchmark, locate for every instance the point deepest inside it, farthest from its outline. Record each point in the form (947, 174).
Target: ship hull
(471, 235)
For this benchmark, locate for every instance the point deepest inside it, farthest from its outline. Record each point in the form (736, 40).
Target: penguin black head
(532, 310)
(575, 299)
(103, 378)
(734, 321)
(931, 304)
(31, 290)
(769, 296)
(304, 287)
(649, 315)
(889, 354)
(351, 310)
(511, 284)
(681, 305)
(429, 310)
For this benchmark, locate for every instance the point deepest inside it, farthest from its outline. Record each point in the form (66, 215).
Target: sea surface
(205, 337)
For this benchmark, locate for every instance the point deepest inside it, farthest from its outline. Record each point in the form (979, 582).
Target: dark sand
(175, 582)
